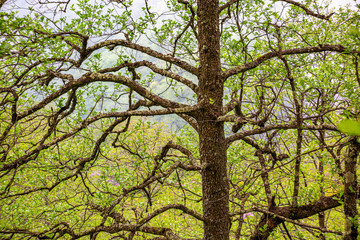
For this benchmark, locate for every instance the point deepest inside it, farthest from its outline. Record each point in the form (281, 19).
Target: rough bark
(276, 215)
(265, 227)
(321, 215)
(212, 139)
(350, 195)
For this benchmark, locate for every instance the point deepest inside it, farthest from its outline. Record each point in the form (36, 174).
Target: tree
(77, 162)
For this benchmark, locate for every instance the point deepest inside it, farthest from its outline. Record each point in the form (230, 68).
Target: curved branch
(155, 69)
(268, 224)
(308, 11)
(297, 222)
(321, 48)
(226, 5)
(267, 128)
(172, 206)
(134, 86)
(94, 77)
(166, 57)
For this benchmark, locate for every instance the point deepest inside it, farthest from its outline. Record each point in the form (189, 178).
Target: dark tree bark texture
(211, 133)
(350, 191)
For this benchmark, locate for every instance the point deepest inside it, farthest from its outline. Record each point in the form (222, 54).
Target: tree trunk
(215, 184)
(211, 133)
(350, 191)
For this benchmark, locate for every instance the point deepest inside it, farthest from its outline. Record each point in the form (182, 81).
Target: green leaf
(354, 31)
(5, 48)
(350, 127)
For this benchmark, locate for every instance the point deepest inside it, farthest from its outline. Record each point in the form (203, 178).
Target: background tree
(260, 87)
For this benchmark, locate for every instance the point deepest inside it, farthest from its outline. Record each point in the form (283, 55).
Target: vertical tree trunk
(350, 191)
(211, 133)
(215, 184)
(321, 171)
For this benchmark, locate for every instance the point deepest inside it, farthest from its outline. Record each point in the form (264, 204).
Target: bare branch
(308, 11)
(155, 69)
(267, 128)
(321, 48)
(146, 50)
(228, 4)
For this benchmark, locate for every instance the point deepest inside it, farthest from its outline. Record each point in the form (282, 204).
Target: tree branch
(155, 69)
(321, 48)
(168, 58)
(308, 11)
